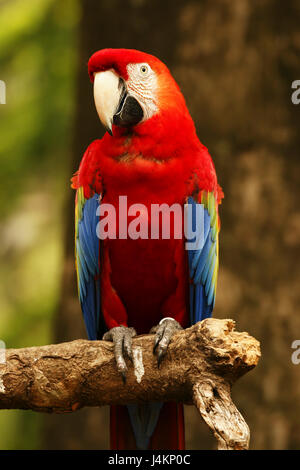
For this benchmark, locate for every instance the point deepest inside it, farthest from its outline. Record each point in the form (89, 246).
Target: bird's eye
(144, 69)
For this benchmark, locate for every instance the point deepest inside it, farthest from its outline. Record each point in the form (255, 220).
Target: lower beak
(114, 105)
(129, 113)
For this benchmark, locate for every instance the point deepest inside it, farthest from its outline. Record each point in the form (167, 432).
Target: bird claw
(121, 336)
(163, 334)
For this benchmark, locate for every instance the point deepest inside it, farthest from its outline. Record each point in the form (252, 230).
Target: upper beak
(108, 89)
(114, 105)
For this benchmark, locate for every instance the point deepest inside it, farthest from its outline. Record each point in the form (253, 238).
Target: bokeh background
(235, 62)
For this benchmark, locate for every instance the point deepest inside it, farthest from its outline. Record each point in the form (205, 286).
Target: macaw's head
(132, 88)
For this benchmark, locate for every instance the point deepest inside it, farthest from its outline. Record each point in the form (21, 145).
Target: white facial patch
(142, 85)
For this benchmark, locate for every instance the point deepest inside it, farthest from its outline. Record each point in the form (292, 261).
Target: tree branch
(201, 365)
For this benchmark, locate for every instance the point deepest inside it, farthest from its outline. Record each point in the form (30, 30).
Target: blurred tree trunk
(235, 62)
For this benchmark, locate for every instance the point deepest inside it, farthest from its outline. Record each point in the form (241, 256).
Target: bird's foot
(121, 336)
(163, 334)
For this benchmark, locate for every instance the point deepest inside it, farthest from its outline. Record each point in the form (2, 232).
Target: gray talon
(163, 334)
(121, 336)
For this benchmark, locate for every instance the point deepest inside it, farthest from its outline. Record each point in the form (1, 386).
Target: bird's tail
(148, 426)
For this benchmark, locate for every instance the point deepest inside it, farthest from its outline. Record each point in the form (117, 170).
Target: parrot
(129, 286)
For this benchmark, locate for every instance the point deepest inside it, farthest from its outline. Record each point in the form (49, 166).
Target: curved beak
(114, 105)
(107, 95)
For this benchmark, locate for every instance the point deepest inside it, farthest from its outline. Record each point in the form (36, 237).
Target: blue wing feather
(89, 251)
(203, 262)
(206, 231)
(87, 247)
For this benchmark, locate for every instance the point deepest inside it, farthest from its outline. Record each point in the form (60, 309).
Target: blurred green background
(235, 62)
(38, 48)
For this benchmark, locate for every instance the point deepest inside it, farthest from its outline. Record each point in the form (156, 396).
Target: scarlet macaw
(152, 155)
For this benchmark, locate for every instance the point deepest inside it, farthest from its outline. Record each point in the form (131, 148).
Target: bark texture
(201, 365)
